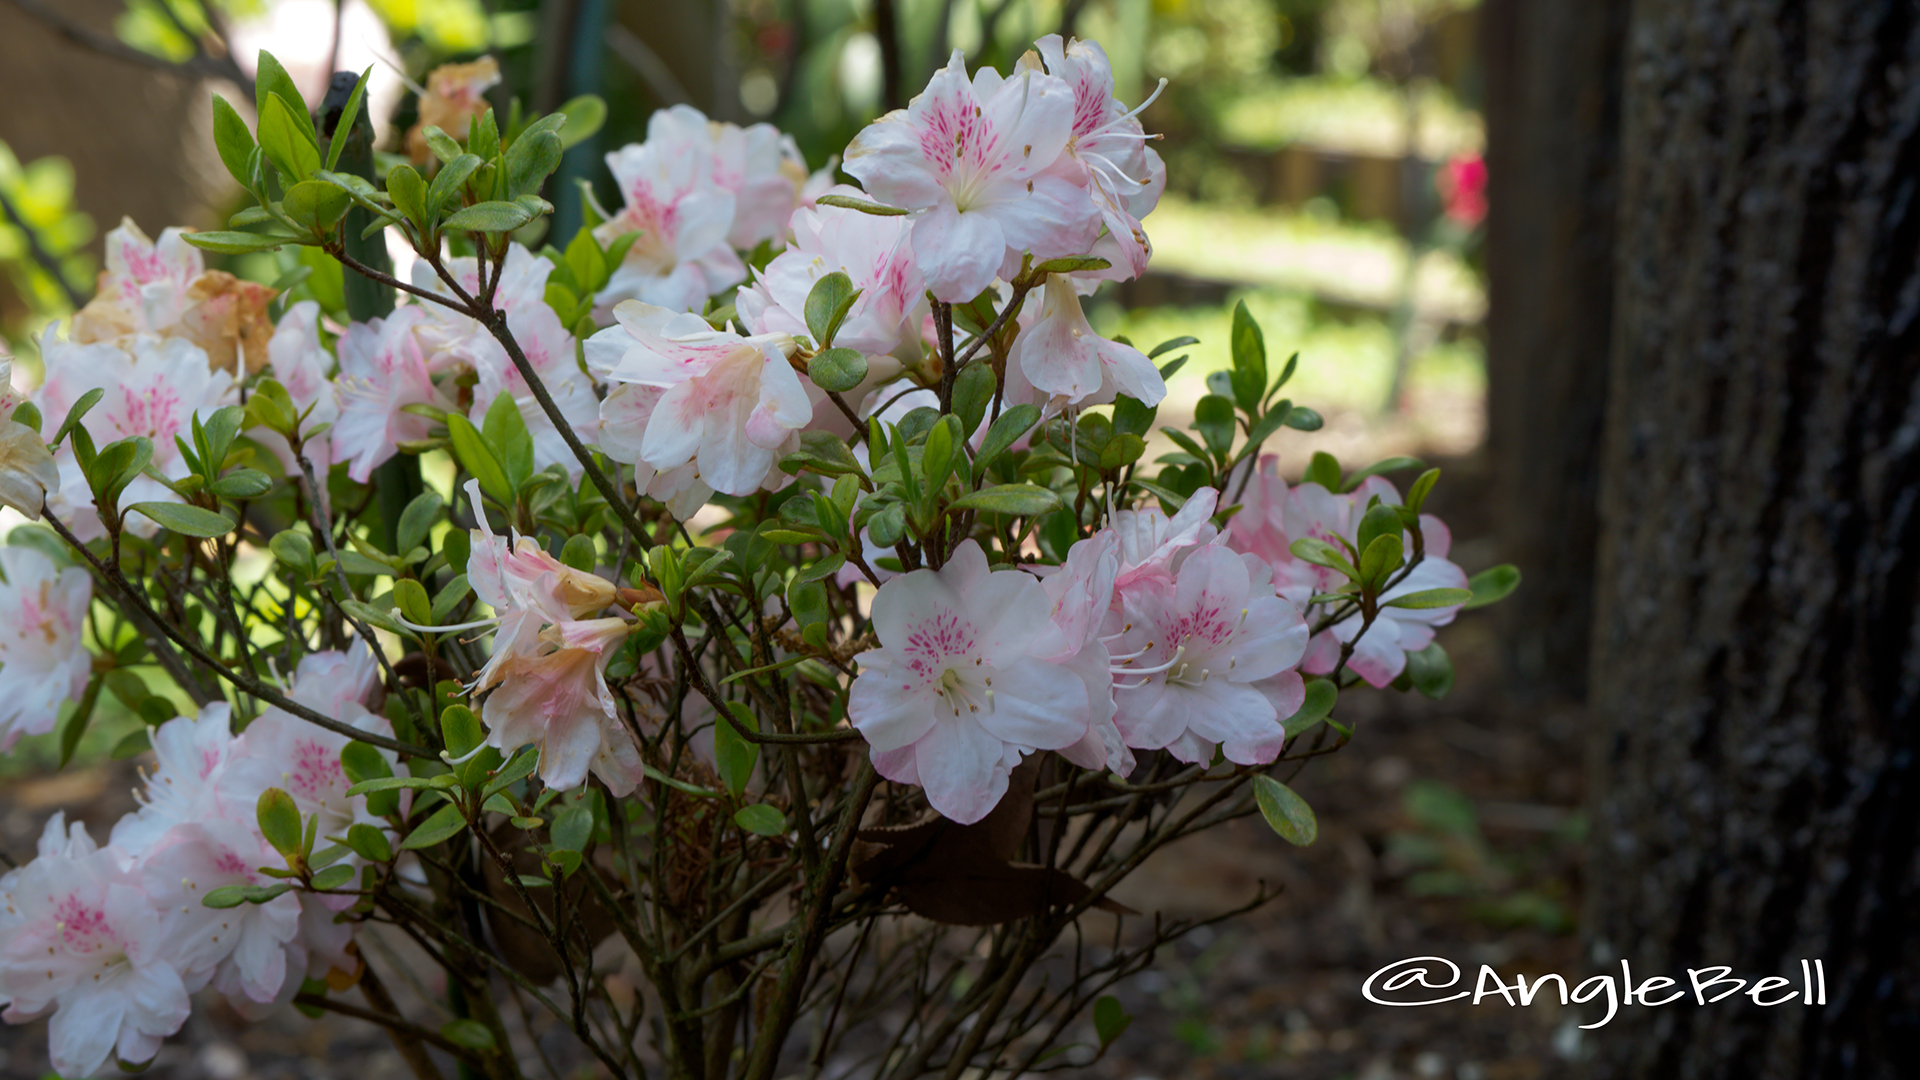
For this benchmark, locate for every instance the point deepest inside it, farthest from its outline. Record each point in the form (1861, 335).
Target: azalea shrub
(755, 633)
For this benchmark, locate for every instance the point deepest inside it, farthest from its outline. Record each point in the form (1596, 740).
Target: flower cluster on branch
(770, 560)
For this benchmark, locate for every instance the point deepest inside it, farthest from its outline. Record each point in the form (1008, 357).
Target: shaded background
(1640, 276)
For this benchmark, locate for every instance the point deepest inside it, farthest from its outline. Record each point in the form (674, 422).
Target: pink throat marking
(315, 772)
(938, 639)
(83, 928)
(1204, 623)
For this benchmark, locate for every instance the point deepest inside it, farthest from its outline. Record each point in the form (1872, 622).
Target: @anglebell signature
(1422, 980)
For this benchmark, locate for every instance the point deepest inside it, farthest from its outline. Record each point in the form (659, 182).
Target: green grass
(1344, 363)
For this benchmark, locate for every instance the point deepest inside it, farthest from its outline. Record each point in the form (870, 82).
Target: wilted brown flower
(455, 95)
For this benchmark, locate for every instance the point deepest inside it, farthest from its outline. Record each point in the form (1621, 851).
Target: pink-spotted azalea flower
(733, 405)
(957, 693)
(681, 211)
(974, 159)
(1061, 356)
(1107, 153)
(43, 657)
(80, 938)
(383, 369)
(874, 252)
(153, 387)
(546, 680)
(1380, 654)
(454, 342)
(1197, 654)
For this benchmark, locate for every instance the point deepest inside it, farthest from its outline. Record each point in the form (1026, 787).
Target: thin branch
(240, 682)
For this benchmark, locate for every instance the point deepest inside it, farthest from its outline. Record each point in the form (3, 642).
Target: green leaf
(442, 825)
(1379, 520)
(824, 453)
(369, 614)
(226, 896)
(505, 430)
(468, 1034)
(1069, 265)
(286, 134)
(417, 519)
(279, 820)
(1431, 671)
(1120, 451)
(184, 519)
(1213, 419)
(271, 78)
(461, 730)
(1287, 813)
(865, 206)
(316, 204)
(972, 393)
(1168, 346)
(1132, 417)
(1321, 553)
(513, 771)
(490, 217)
(1019, 500)
(530, 160)
(478, 458)
(409, 194)
(585, 115)
(734, 756)
(936, 458)
(1005, 431)
(1392, 464)
(242, 484)
(1249, 347)
(234, 243)
(369, 842)
(760, 820)
(378, 784)
(1301, 418)
(1492, 585)
(837, 370)
(332, 877)
(79, 411)
(1323, 470)
(411, 598)
(1380, 558)
(76, 724)
(888, 526)
(136, 741)
(1320, 699)
(1431, 598)
(1422, 487)
(232, 139)
(448, 183)
(1109, 1019)
(827, 305)
(573, 827)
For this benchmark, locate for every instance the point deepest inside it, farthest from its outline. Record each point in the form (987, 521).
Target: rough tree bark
(1553, 123)
(1756, 664)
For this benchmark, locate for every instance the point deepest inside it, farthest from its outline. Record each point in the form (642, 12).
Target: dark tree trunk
(1553, 121)
(1755, 663)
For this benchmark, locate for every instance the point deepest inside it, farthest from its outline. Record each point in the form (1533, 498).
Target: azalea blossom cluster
(111, 940)
(771, 538)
